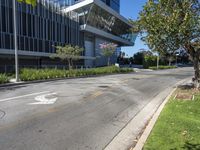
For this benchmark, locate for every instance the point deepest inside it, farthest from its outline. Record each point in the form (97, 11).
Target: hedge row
(3, 79)
(42, 74)
(162, 67)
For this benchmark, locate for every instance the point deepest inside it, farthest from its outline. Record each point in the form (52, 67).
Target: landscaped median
(178, 126)
(4, 79)
(44, 74)
(162, 67)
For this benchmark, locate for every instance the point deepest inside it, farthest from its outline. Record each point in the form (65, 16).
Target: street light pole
(15, 42)
(158, 58)
(177, 59)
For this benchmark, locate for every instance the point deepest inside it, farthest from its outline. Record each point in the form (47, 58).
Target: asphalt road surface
(77, 114)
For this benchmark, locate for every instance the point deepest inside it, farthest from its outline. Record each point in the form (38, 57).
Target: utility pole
(15, 42)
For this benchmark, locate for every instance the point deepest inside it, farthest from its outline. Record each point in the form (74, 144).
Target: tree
(138, 58)
(170, 57)
(108, 50)
(171, 25)
(123, 55)
(30, 2)
(69, 53)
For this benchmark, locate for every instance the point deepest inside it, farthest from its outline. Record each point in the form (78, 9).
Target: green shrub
(162, 67)
(3, 79)
(149, 61)
(42, 74)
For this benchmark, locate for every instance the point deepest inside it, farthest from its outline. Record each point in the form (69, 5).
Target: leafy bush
(3, 79)
(149, 60)
(42, 74)
(162, 67)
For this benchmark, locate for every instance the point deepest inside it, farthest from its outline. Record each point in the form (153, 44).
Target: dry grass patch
(186, 92)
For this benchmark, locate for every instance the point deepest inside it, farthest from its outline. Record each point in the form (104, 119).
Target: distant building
(86, 23)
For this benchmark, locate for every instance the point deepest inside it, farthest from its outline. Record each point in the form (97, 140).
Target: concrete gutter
(150, 113)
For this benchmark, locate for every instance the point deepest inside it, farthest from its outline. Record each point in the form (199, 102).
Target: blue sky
(131, 9)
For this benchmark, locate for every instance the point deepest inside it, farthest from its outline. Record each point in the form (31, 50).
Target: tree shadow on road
(186, 86)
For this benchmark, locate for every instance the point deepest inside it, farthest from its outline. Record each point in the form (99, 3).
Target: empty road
(77, 114)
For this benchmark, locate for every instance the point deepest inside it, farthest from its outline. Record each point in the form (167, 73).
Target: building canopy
(96, 14)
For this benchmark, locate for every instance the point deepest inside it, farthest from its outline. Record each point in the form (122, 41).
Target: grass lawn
(178, 127)
(162, 67)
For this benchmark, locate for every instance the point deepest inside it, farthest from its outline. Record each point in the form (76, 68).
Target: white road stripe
(12, 98)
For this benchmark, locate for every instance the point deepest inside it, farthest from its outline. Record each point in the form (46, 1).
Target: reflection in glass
(99, 18)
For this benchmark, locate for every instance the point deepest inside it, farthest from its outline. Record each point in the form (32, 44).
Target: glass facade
(99, 18)
(62, 3)
(48, 24)
(39, 28)
(114, 4)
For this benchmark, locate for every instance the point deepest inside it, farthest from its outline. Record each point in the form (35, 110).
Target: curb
(134, 128)
(141, 142)
(8, 85)
(147, 131)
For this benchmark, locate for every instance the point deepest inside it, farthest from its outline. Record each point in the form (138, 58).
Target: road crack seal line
(2, 114)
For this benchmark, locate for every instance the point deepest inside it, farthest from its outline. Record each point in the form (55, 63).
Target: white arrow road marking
(22, 96)
(42, 100)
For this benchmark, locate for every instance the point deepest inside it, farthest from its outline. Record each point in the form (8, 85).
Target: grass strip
(178, 127)
(162, 67)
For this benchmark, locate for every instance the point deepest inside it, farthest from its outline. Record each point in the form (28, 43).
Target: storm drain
(135, 78)
(104, 86)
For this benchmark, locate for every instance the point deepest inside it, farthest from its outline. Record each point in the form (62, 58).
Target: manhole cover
(104, 86)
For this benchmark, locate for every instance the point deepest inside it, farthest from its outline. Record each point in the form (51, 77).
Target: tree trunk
(169, 62)
(108, 61)
(196, 61)
(69, 64)
(196, 71)
(72, 63)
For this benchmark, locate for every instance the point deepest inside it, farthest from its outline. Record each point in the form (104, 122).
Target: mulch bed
(186, 92)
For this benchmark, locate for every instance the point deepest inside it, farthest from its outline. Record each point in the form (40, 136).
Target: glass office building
(114, 4)
(86, 23)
